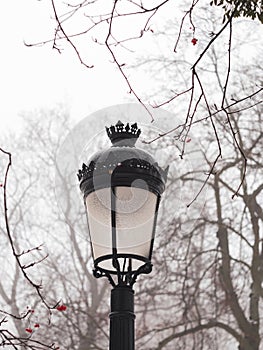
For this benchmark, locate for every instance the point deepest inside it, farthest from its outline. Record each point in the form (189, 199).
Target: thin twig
(132, 91)
(189, 12)
(218, 144)
(37, 287)
(66, 37)
(227, 114)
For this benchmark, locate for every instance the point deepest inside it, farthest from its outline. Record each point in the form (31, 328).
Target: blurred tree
(20, 286)
(207, 282)
(37, 212)
(207, 288)
(208, 255)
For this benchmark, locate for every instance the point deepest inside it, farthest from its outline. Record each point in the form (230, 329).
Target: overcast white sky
(41, 77)
(36, 77)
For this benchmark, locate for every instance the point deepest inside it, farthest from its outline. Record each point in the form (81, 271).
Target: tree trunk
(250, 341)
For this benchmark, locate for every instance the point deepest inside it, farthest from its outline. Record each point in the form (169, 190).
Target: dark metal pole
(122, 318)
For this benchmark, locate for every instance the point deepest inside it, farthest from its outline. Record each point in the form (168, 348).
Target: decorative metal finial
(122, 159)
(123, 135)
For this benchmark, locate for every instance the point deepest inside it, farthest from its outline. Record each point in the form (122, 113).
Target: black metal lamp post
(122, 187)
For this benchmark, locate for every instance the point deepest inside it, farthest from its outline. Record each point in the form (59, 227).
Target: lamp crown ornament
(122, 134)
(123, 162)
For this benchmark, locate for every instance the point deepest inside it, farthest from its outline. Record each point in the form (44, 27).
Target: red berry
(37, 325)
(29, 330)
(194, 41)
(62, 308)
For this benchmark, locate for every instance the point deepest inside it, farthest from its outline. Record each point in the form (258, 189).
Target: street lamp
(122, 188)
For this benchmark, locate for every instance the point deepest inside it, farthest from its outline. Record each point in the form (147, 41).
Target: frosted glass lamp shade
(121, 221)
